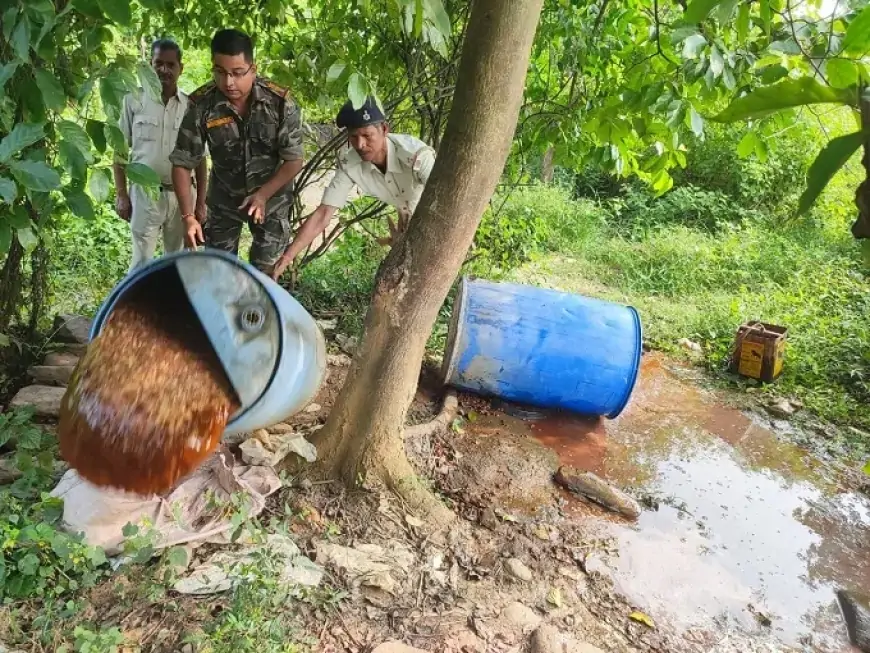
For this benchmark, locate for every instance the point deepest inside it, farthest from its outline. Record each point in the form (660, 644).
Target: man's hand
(256, 205)
(193, 237)
(282, 264)
(123, 207)
(201, 212)
(396, 230)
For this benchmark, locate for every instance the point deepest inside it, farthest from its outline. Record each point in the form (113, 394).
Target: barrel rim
(165, 261)
(635, 369)
(451, 353)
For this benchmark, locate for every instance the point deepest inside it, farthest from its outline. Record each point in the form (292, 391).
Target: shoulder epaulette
(277, 90)
(201, 92)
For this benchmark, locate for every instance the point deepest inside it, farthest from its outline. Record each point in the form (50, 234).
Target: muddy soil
(741, 544)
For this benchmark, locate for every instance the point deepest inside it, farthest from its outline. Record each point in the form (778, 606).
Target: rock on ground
(44, 399)
(548, 639)
(856, 613)
(396, 647)
(72, 328)
(51, 374)
(520, 616)
(518, 570)
(590, 486)
(56, 358)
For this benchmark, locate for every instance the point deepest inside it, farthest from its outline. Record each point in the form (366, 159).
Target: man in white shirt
(394, 168)
(151, 128)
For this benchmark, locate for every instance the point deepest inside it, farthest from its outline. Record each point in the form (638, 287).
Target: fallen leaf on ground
(554, 598)
(642, 618)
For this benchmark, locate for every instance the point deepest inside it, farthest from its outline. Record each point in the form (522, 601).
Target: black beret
(368, 114)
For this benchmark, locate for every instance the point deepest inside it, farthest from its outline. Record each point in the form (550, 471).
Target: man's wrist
(186, 216)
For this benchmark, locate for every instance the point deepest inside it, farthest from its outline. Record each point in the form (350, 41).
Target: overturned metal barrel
(209, 329)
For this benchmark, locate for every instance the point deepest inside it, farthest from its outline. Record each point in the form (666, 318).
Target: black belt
(171, 189)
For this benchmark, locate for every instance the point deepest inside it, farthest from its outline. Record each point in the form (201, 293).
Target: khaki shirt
(151, 129)
(409, 162)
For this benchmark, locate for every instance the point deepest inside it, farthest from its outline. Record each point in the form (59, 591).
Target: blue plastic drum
(543, 347)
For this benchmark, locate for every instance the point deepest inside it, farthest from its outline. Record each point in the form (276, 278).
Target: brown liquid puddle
(745, 523)
(149, 400)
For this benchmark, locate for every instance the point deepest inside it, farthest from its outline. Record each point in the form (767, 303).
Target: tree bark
(861, 227)
(547, 166)
(362, 442)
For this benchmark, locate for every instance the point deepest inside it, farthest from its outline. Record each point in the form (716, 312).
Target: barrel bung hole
(149, 400)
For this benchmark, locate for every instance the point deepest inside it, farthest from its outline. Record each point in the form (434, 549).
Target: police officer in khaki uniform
(252, 129)
(150, 126)
(394, 168)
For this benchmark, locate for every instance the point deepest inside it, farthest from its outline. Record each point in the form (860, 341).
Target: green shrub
(38, 558)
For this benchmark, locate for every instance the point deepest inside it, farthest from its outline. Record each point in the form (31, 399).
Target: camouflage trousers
(223, 229)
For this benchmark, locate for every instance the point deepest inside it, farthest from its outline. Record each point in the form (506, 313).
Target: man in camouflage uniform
(252, 129)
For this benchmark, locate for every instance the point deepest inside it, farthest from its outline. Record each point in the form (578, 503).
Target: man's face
(370, 142)
(168, 67)
(233, 75)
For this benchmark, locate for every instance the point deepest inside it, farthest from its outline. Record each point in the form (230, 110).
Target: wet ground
(741, 530)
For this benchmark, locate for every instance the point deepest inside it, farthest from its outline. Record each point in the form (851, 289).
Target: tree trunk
(547, 167)
(861, 227)
(362, 442)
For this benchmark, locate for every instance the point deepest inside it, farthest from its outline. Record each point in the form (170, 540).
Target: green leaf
(717, 63)
(177, 556)
(356, 90)
(832, 157)
(692, 45)
(20, 40)
(117, 10)
(139, 173)
(439, 17)
(335, 71)
(149, 81)
(116, 139)
(99, 184)
(23, 135)
(5, 238)
(73, 133)
(764, 10)
(418, 18)
(9, 20)
(698, 10)
(857, 39)
(696, 121)
(6, 73)
(8, 190)
(29, 564)
(73, 160)
(867, 464)
(725, 11)
(841, 73)
(743, 21)
(27, 239)
(80, 204)
(784, 95)
(52, 92)
(746, 146)
(129, 529)
(20, 219)
(96, 131)
(35, 175)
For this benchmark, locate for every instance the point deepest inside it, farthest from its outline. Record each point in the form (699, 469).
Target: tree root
(448, 412)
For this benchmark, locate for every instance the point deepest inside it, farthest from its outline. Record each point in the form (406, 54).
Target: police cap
(368, 114)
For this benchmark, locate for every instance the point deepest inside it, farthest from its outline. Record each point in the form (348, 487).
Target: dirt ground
(528, 567)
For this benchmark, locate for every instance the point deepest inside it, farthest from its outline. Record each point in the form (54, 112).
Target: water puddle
(740, 527)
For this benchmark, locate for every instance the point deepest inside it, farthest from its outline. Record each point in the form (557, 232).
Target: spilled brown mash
(149, 401)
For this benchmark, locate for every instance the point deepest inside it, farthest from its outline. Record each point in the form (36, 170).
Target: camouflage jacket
(245, 152)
